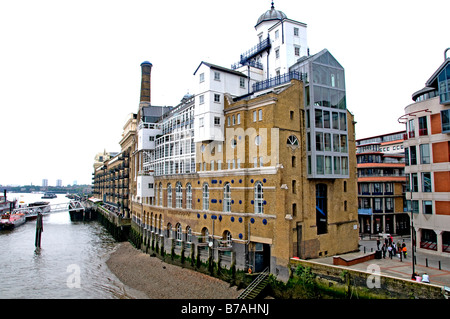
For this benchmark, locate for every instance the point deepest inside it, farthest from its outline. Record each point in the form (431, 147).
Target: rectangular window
(423, 129)
(319, 141)
(255, 162)
(217, 76)
(216, 120)
(296, 33)
(343, 143)
(234, 119)
(318, 118)
(426, 182)
(406, 156)
(336, 145)
(427, 207)
(335, 118)
(219, 165)
(212, 165)
(297, 51)
(201, 99)
(228, 121)
(326, 119)
(239, 118)
(238, 163)
(337, 165)
(411, 128)
(202, 77)
(319, 164)
(254, 116)
(260, 115)
(261, 161)
(414, 182)
(424, 153)
(217, 98)
(328, 168)
(413, 155)
(201, 122)
(242, 83)
(343, 121)
(445, 121)
(327, 142)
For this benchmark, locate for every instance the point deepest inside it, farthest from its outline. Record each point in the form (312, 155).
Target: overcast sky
(70, 70)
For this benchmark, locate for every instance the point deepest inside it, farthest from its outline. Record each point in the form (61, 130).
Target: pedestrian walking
(390, 251)
(383, 249)
(404, 250)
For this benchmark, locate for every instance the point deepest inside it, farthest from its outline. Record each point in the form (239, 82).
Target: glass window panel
(343, 121)
(344, 165)
(325, 97)
(317, 96)
(326, 119)
(337, 165)
(334, 98)
(424, 153)
(342, 101)
(426, 182)
(335, 118)
(318, 118)
(319, 164)
(336, 145)
(344, 143)
(327, 142)
(319, 141)
(328, 169)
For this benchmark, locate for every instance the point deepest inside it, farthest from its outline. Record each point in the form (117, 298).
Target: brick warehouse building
(427, 158)
(257, 166)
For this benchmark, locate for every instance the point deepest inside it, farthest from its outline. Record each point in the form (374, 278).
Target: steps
(256, 286)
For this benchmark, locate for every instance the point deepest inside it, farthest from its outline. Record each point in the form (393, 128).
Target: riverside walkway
(437, 267)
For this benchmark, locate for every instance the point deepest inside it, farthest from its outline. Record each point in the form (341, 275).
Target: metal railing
(260, 47)
(254, 284)
(278, 80)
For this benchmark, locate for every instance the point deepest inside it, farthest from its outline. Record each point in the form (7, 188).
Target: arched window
(188, 196)
(226, 239)
(169, 195)
(160, 195)
(205, 196)
(227, 198)
(259, 198)
(169, 230)
(179, 235)
(178, 195)
(205, 236)
(188, 234)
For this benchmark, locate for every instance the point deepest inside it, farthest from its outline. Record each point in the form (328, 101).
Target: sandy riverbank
(159, 280)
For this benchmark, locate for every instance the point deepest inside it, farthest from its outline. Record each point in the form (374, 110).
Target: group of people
(393, 249)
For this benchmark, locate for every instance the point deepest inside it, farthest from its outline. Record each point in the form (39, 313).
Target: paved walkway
(439, 273)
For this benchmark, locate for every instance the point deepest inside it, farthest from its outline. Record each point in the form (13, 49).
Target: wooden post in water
(39, 230)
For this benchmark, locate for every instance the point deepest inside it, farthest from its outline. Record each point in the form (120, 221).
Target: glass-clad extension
(326, 115)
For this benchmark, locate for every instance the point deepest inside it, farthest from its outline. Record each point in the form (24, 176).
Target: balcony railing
(278, 80)
(260, 47)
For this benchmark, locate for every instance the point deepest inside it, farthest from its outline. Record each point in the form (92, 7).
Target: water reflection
(70, 253)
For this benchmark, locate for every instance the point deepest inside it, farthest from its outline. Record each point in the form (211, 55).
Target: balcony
(259, 48)
(423, 131)
(278, 80)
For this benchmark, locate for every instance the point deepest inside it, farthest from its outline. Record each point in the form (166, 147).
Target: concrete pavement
(438, 266)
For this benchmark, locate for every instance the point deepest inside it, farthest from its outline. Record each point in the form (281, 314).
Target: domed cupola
(271, 15)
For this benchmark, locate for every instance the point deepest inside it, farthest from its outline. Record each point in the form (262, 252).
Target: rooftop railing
(278, 80)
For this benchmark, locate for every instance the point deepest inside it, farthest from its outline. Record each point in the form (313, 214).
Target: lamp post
(413, 235)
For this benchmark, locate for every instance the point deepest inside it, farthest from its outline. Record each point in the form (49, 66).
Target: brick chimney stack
(146, 68)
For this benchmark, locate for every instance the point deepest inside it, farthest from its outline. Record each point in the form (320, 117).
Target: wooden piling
(39, 230)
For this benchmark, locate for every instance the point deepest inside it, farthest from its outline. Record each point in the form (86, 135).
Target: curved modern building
(427, 160)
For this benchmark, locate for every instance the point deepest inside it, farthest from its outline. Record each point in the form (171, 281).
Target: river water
(70, 264)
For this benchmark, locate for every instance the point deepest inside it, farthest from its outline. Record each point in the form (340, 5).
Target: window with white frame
(216, 120)
(179, 232)
(188, 196)
(160, 194)
(202, 77)
(178, 195)
(217, 76)
(205, 196)
(217, 98)
(227, 198)
(259, 198)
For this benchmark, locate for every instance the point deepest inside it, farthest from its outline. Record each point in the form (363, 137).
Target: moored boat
(9, 221)
(49, 195)
(35, 208)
